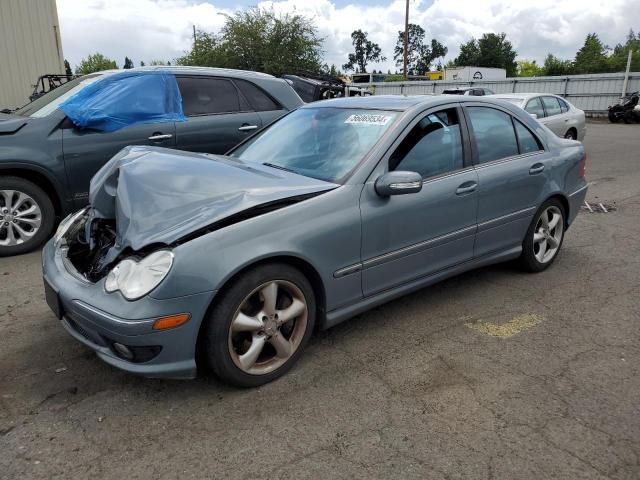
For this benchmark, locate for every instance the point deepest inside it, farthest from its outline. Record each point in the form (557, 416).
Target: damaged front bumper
(107, 322)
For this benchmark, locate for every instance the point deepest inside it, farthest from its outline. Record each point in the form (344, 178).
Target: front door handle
(247, 128)
(466, 187)
(536, 168)
(156, 137)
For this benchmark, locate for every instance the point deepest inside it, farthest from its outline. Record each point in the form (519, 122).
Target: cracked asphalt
(407, 390)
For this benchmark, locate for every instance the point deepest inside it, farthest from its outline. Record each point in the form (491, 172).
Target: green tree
(259, 39)
(95, 63)
(67, 67)
(206, 52)
(618, 59)
(592, 57)
(419, 54)
(554, 66)
(528, 68)
(128, 63)
(469, 55)
(141, 63)
(365, 52)
(491, 50)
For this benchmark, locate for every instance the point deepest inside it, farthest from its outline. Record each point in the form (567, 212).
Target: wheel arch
(574, 130)
(562, 198)
(299, 263)
(41, 180)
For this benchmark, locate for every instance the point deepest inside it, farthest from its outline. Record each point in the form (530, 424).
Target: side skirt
(344, 313)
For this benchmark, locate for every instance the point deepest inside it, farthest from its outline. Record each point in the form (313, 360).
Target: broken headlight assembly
(70, 222)
(134, 279)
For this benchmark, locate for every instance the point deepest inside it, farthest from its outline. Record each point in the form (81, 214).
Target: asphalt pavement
(494, 374)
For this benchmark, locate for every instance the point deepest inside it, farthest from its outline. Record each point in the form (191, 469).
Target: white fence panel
(591, 93)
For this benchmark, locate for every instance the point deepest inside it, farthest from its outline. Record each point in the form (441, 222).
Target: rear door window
(257, 98)
(535, 106)
(207, 96)
(493, 132)
(551, 106)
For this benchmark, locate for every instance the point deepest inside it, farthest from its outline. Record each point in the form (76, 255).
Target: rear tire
(259, 327)
(613, 118)
(27, 216)
(544, 237)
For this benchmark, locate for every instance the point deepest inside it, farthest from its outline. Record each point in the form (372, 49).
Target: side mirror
(534, 115)
(398, 183)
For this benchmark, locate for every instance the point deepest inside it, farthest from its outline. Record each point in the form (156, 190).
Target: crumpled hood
(158, 195)
(11, 123)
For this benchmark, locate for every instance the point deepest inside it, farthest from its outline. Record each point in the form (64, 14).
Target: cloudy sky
(162, 29)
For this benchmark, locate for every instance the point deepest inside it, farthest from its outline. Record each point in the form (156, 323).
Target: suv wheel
(260, 325)
(26, 216)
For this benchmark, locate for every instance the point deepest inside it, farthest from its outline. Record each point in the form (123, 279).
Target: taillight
(583, 165)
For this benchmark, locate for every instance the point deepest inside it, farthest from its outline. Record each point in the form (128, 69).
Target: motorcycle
(627, 109)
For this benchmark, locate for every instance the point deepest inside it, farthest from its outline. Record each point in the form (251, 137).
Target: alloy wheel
(20, 217)
(268, 327)
(547, 234)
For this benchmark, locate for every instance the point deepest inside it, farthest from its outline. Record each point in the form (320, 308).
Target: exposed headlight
(136, 279)
(66, 224)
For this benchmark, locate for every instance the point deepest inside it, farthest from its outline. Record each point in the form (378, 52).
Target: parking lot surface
(493, 374)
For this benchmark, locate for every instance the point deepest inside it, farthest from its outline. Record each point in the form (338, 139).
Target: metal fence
(591, 93)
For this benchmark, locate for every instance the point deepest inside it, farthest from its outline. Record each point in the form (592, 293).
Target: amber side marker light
(172, 321)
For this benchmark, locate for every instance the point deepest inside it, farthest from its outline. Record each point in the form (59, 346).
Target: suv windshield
(323, 143)
(43, 106)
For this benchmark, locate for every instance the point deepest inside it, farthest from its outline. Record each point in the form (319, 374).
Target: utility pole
(406, 41)
(194, 36)
(626, 73)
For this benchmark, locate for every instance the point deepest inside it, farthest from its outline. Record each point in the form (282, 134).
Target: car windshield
(43, 106)
(514, 100)
(325, 143)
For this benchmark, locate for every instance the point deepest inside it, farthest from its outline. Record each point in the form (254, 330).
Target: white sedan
(552, 111)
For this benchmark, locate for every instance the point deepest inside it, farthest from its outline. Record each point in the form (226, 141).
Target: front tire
(544, 237)
(259, 327)
(27, 216)
(571, 134)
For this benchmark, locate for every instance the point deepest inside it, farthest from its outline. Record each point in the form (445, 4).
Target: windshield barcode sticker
(368, 119)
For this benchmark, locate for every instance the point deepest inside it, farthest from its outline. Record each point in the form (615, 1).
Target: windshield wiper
(279, 167)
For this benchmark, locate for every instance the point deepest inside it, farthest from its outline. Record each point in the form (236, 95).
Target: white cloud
(162, 29)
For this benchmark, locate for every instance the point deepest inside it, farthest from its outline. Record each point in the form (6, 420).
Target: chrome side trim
(494, 222)
(343, 272)
(509, 159)
(417, 247)
(579, 191)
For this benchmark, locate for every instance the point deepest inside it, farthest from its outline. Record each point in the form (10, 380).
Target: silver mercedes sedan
(554, 112)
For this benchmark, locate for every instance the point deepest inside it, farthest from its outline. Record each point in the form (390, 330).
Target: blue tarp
(122, 99)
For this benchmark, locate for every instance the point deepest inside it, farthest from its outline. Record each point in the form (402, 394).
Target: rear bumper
(576, 199)
(99, 320)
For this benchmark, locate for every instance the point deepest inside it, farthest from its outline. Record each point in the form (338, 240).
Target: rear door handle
(536, 168)
(466, 187)
(246, 128)
(156, 137)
